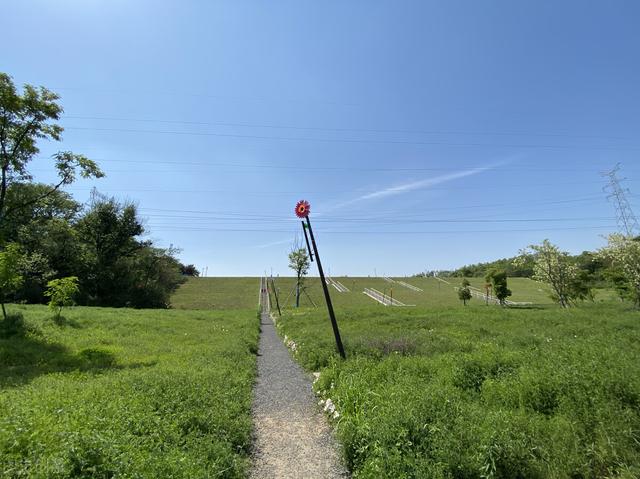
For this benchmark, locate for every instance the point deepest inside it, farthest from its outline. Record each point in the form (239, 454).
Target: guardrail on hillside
(337, 284)
(410, 286)
(383, 298)
(401, 283)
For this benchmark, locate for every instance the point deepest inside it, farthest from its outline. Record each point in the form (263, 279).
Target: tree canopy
(25, 119)
(624, 253)
(553, 267)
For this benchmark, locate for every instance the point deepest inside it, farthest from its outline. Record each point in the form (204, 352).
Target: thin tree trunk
(4, 311)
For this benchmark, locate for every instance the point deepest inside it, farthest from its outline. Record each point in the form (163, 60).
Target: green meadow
(217, 293)
(434, 390)
(440, 390)
(435, 293)
(127, 393)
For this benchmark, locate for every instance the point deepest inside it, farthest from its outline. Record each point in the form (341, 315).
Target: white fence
(410, 286)
(264, 301)
(382, 298)
(337, 284)
(401, 283)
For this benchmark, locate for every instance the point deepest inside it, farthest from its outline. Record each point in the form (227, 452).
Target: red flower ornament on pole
(303, 208)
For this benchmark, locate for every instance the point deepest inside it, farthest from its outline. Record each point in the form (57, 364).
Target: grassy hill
(440, 390)
(432, 390)
(435, 292)
(217, 293)
(127, 393)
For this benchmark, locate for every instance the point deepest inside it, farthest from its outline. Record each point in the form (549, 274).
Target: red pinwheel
(302, 209)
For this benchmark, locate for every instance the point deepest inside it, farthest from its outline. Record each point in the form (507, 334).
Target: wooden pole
(275, 293)
(327, 297)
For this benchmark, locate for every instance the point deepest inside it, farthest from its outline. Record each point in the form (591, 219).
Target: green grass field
(440, 390)
(435, 293)
(217, 293)
(127, 393)
(431, 390)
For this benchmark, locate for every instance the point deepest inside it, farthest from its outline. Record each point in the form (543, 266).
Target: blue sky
(426, 135)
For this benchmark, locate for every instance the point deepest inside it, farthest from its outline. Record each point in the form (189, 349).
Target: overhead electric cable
(355, 140)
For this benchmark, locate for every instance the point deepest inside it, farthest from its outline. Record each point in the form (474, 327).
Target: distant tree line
(480, 270)
(99, 244)
(570, 278)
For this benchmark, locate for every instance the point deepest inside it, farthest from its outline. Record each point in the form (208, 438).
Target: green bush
(60, 293)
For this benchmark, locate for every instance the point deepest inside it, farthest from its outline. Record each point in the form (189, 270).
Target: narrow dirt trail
(292, 437)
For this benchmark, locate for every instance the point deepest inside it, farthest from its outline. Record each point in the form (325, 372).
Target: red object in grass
(303, 208)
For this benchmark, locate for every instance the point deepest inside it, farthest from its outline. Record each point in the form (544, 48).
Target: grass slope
(435, 293)
(217, 293)
(456, 392)
(127, 393)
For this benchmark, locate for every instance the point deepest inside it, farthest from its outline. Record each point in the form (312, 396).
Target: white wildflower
(329, 406)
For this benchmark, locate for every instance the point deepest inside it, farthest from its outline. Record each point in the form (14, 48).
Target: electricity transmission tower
(625, 217)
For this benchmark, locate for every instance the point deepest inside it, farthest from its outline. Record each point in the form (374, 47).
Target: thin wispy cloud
(401, 189)
(275, 243)
(418, 185)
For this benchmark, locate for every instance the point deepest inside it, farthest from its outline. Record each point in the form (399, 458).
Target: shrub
(61, 292)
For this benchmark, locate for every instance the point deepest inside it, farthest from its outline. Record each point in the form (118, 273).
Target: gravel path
(292, 437)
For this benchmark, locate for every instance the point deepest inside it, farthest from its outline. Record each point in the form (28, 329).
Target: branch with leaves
(24, 120)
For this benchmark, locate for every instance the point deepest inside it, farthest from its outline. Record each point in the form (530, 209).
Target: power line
(355, 140)
(388, 221)
(382, 214)
(293, 231)
(368, 169)
(531, 184)
(344, 129)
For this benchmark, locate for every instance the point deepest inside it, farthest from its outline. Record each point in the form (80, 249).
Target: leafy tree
(10, 278)
(57, 241)
(553, 267)
(593, 264)
(60, 293)
(34, 203)
(479, 270)
(117, 269)
(581, 286)
(624, 253)
(36, 272)
(108, 234)
(189, 270)
(498, 281)
(616, 277)
(24, 119)
(464, 293)
(299, 262)
(44, 230)
(156, 274)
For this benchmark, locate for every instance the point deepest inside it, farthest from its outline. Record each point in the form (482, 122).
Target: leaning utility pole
(625, 217)
(302, 211)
